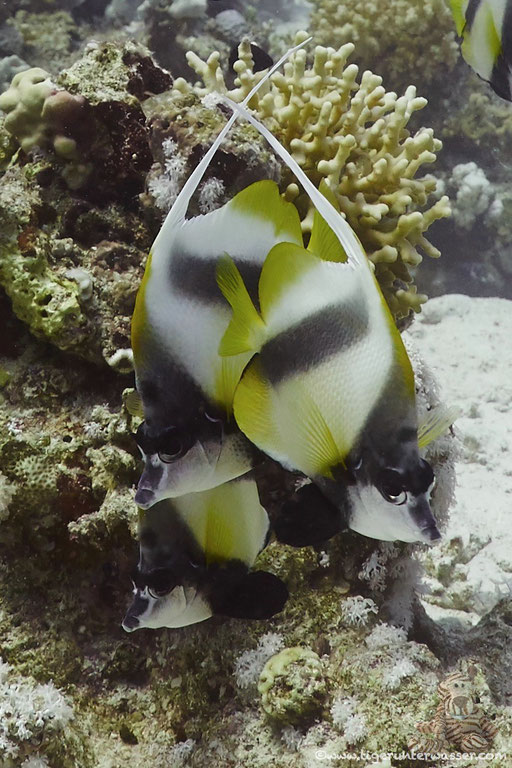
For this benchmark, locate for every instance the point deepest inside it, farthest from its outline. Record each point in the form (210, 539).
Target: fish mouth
(145, 498)
(130, 623)
(430, 534)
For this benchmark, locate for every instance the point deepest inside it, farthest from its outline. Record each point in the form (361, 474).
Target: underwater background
(106, 109)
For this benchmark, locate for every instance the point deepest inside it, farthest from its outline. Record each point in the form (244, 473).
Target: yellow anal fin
(246, 330)
(323, 241)
(436, 423)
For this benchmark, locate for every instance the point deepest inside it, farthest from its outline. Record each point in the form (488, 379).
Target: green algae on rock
(60, 236)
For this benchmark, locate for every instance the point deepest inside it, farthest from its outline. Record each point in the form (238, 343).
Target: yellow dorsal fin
(262, 200)
(323, 242)
(436, 423)
(133, 403)
(246, 330)
(286, 263)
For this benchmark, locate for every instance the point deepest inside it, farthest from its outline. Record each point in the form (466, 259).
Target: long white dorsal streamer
(179, 208)
(335, 220)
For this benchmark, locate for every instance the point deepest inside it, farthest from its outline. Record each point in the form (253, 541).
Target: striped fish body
(330, 391)
(196, 553)
(180, 315)
(486, 30)
(327, 352)
(179, 319)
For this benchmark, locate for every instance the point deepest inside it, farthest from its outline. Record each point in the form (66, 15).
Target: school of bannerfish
(249, 346)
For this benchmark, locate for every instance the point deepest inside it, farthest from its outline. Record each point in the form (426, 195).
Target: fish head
(166, 580)
(177, 461)
(394, 503)
(177, 607)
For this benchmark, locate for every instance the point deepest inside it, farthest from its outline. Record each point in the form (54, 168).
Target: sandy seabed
(467, 342)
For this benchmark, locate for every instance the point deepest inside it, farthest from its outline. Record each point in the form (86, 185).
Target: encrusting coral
(405, 40)
(292, 685)
(72, 245)
(354, 136)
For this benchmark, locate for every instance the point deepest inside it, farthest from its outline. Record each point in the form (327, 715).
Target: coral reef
(354, 136)
(35, 715)
(406, 42)
(91, 156)
(72, 262)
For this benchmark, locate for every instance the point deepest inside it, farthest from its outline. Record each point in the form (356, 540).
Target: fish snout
(431, 534)
(130, 623)
(145, 497)
(424, 519)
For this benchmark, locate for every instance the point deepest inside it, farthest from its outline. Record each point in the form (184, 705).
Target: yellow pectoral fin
(323, 241)
(133, 403)
(237, 523)
(230, 372)
(246, 330)
(287, 425)
(436, 423)
(227, 522)
(314, 443)
(253, 408)
(285, 264)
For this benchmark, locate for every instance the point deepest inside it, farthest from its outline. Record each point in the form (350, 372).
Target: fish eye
(171, 446)
(156, 593)
(160, 582)
(391, 487)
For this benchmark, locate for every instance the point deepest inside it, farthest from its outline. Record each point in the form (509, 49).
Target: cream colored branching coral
(354, 135)
(404, 40)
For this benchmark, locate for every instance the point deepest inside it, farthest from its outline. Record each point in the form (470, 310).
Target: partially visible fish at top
(188, 440)
(330, 390)
(485, 27)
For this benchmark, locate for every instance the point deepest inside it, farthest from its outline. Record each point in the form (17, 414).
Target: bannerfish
(485, 27)
(195, 557)
(330, 388)
(188, 440)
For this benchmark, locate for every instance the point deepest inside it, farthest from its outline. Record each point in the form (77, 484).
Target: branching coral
(354, 136)
(408, 41)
